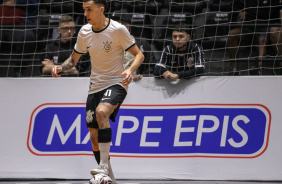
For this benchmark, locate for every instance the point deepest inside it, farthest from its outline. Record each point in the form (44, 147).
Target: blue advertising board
(188, 130)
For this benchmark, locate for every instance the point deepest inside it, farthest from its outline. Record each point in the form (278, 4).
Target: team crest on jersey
(190, 62)
(89, 116)
(107, 46)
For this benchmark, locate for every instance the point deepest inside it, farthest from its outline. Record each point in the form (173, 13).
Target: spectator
(182, 58)
(58, 51)
(18, 42)
(255, 17)
(146, 67)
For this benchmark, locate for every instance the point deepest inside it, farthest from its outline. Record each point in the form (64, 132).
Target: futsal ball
(100, 179)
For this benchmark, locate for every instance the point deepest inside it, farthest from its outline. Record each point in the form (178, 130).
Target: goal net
(233, 42)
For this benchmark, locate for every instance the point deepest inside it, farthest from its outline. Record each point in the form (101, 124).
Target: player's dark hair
(182, 28)
(100, 2)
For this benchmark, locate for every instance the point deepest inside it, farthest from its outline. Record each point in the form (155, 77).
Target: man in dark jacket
(181, 59)
(59, 50)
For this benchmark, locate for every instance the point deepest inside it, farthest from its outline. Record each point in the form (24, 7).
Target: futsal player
(105, 40)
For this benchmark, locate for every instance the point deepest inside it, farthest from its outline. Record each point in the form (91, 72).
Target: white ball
(100, 179)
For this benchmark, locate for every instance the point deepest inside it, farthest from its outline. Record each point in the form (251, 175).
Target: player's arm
(67, 65)
(47, 69)
(139, 58)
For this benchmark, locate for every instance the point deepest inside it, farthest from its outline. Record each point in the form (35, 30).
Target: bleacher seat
(216, 29)
(191, 6)
(114, 5)
(176, 18)
(141, 25)
(147, 7)
(220, 5)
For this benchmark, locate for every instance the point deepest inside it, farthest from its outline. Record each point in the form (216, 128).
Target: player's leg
(111, 173)
(92, 124)
(103, 112)
(94, 142)
(104, 145)
(96, 152)
(107, 109)
(92, 101)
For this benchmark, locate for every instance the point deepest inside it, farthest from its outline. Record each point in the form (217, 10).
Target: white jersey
(106, 49)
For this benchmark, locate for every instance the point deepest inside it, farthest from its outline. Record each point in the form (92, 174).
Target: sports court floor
(139, 182)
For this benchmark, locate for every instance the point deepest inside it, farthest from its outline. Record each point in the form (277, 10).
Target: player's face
(67, 30)
(180, 39)
(92, 12)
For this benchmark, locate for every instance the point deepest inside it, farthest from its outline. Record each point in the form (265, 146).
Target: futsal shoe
(102, 169)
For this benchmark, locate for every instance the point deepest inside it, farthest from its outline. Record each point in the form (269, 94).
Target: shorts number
(108, 92)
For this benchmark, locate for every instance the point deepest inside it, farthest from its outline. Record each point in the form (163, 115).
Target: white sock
(104, 152)
(111, 174)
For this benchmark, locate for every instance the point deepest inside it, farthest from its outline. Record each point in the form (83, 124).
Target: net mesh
(27, 28)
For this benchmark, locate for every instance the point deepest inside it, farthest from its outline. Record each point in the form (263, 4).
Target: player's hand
(56, 70)
(127, 77)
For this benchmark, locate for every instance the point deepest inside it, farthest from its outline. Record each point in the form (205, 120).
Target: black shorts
(114, 95)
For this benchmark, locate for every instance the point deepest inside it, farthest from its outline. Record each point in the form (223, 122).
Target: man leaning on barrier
(181, 59)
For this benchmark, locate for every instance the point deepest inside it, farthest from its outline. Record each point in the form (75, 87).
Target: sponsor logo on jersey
(200, 130)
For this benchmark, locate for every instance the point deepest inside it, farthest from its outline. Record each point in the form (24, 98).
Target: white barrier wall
(207, 128)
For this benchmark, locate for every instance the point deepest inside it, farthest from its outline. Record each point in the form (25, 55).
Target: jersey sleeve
(80, 46)
(160, 67)
(125, 39)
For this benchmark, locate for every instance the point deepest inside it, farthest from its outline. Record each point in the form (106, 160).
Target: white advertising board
(206, 128)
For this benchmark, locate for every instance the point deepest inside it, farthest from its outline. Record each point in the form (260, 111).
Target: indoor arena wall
(205, 128)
